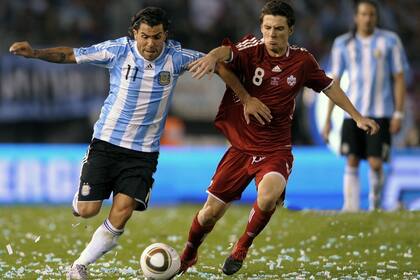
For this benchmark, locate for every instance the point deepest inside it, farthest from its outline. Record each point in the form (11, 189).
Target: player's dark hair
(278, 8)
(357, 4)
(151, 16)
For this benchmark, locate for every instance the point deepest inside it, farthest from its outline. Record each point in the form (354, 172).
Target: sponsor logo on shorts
(85, 189)
(345, 148)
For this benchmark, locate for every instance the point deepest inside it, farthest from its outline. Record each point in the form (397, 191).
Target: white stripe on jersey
(112, 118)
(351, 48)
(98, 56)
(367, 76)
(248, 45)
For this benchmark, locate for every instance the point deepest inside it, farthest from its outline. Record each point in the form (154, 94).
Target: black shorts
(354, 141)
(109, 168)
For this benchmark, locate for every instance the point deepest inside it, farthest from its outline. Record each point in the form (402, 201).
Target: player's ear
(134, 33)
(291, 29)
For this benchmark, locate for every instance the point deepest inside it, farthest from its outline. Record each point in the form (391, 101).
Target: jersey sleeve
(102, 54)
(399, 62)
(240, 51)
(316, 78)
(183, 58)
(337, 59)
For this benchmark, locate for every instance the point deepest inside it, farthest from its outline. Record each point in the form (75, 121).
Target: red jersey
(275, 81)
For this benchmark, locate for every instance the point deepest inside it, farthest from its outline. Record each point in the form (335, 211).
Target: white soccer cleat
(77, 272)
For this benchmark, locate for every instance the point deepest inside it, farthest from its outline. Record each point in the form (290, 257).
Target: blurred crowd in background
(200, 25)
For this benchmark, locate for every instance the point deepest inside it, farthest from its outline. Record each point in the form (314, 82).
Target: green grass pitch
(41, 242)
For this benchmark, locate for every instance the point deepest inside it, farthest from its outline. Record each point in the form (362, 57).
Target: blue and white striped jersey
(134, 113)
(371, 63)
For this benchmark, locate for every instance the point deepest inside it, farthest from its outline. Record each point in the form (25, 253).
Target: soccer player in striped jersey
(375, 61)
(274, 72)
(123, 154)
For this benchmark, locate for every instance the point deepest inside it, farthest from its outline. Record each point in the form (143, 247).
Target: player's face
(150, 40)
(276, 34)
(365, 18)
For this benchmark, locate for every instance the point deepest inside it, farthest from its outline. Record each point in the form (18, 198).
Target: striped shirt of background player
(134, 113)
(370, 62)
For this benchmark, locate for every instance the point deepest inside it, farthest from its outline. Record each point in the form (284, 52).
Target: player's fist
(22, 48)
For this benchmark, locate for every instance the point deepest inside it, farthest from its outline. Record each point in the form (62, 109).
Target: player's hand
(395, 125)
(22, 48)
(202, 66)
(326, 131)
(254, 107)
(368, 125)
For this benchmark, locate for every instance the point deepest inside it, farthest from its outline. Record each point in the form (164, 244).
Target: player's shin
(196, 236)
(351, 189)
(257, 221)
(376, 182)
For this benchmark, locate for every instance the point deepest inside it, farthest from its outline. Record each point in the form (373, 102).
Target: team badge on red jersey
(291, 80)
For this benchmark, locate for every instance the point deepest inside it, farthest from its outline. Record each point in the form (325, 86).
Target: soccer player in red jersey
(274, 72)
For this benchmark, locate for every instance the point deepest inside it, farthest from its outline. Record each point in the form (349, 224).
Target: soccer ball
(159, 262)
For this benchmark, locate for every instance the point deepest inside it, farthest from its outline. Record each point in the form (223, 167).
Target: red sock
(257, 221)
(195, 238)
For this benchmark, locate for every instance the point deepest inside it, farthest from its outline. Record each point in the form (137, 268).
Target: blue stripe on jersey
(359, 83)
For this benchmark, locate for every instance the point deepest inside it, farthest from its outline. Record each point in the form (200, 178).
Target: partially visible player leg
(376, 182)
(270, 190)
(378, 148)
(351, 185)
(202, 225)
(106, 235)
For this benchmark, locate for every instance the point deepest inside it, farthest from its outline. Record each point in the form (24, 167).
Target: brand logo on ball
(166, 260)
(164, 78)
(291, 80)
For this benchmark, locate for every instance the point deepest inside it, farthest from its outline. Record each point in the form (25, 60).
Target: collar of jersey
(138, 55)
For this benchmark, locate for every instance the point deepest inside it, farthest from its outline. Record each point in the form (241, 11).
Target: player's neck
(365, 33)
(277, 52)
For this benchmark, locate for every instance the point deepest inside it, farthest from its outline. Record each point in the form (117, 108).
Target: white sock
(351, 189)
(103, 240)
(74, 203)
(376, 183)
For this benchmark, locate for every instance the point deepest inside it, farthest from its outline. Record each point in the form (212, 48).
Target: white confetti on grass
(9, 249)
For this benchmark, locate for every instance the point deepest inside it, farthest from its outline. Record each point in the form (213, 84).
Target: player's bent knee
(375, 164)
(210, 215)
(88, 210)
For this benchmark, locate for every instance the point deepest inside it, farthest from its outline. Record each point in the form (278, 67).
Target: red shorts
(236, 170)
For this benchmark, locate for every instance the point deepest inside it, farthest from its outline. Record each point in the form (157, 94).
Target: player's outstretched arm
(56, 55)
(327, 126)
(207, 63)
(336, 94)
(252, 105)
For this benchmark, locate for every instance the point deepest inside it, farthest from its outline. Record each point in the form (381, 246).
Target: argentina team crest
(164, 78)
